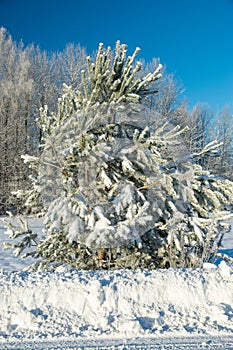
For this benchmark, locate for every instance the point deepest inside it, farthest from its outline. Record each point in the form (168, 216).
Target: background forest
(31, 78)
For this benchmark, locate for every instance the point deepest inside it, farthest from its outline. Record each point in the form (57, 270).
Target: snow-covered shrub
(119, 192)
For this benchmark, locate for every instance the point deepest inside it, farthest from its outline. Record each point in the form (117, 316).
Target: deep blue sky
(193, 38)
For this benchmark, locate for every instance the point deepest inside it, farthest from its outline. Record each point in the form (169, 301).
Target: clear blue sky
(193, 38)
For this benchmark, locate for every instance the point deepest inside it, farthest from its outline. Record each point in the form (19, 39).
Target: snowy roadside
(163, 309)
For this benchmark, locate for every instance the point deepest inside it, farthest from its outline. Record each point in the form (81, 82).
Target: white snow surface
(123, 309)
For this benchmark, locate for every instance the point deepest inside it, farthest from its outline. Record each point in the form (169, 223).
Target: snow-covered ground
(163, 309)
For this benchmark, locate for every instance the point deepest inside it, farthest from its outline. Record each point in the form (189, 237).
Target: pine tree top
(111, 79)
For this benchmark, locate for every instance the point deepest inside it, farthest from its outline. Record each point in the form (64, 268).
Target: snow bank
(71, 306)
(116, 304)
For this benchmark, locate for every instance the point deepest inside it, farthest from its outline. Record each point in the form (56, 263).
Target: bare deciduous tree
(224, 132)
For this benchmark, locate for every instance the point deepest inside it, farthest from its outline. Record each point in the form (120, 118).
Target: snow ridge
(71, 304)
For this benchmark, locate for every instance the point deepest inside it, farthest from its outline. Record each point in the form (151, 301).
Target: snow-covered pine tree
(118, 192)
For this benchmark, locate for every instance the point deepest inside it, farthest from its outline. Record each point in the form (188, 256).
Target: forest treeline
(31, 78)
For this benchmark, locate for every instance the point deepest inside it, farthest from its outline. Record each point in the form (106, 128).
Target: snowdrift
(116, 304)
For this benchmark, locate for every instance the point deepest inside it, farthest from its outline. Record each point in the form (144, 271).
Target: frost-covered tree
(72, 61)
(224, 131)
(198, 121)
(24, 86)
(16, 89)
(117, 191)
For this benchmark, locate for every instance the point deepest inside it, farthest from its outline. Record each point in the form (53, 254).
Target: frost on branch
(112, 183)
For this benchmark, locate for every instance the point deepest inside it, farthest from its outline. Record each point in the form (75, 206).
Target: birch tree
(16, 91)
(224, 132)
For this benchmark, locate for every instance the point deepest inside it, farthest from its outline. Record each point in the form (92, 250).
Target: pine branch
(225, 257)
